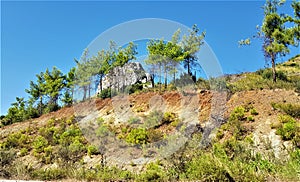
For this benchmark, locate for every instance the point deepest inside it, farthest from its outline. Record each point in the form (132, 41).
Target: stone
(120, 77)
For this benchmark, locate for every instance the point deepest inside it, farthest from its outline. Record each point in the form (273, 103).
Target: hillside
(247, 131)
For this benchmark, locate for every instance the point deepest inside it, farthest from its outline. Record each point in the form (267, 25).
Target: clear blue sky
(36, 35)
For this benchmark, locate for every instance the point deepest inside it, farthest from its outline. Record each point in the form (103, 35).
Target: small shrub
(134, 120)
(135, 88)
(106, 93)
(49, 174)
(39, 144)
(290, 109)
(23, 151)
(102, 131)
(253, 112)
(153, 119)
(238, 113)
(268, 74)
(297, 86)
(250, 118)
(154, 172)
(154, 135)
(137, 136)
(17, 140)
(92, 149)
(288, 129)
(7, 157)
(169, 117)
(285, 118)
(100, 121)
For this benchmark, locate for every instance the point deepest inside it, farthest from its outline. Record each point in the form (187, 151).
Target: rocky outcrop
(129, 74)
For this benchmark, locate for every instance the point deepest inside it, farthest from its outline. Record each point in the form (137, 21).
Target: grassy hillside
(259, 139)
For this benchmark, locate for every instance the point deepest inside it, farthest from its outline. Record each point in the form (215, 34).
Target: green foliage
(153, 119)
(153, 172)
(276, 36)
(206, 166)
(67, 98)
(290, 109)
(137, 136)
(106, 93)
(267, 74)
(250, 118)
(288, 129)
(135, 88)
(218, 84)
(253, 112)
(191, 45)
(17, 140)
(238, 113)
(169, 118)
(134, 120)
(7, 157)
(23, 151)
(102, 131)
(49, 174)
(92, 149)
(39, 144)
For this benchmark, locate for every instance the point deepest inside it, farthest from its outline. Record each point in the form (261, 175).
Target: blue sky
(36, 35)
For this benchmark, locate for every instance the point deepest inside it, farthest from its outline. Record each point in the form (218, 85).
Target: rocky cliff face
(129, 74)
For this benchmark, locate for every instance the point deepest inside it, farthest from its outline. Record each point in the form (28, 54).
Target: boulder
(129, 74)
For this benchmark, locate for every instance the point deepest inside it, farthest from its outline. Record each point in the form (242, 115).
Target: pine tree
(191, 45)
(278, 32)
(37, 92)
(54, 84)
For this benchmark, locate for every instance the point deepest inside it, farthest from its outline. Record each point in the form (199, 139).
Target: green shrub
(137, 136)
(39, 144)
(23, 151)
(102, 131)
(17, 140)
(106, 93)
(77, 148)
(219, 84)
(7, 157)
(253, 112)
(238, 113)
(250, 118)
(205, 166)
(153, 119)
(169, 117)
(49, 174)
(154, 135)
(268, 74)
(135, 88)
(153, 172)
(92, 149)
(288, 130)
(290, 109)
(134, 120)
(100, 121)
(297, 86)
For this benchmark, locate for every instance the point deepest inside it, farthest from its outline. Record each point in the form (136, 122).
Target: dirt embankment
(173, 101)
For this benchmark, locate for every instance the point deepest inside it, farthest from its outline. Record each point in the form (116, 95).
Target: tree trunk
(89, 90)
(159, 77)
(84, 93)
(188, 67)
(273, 68)
(41, 105)
(101, 77)
(165, 75)
(174, 78)
(152, 80)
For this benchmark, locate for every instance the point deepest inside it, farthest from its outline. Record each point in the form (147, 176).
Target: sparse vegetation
(54, 148)
(290, 109)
